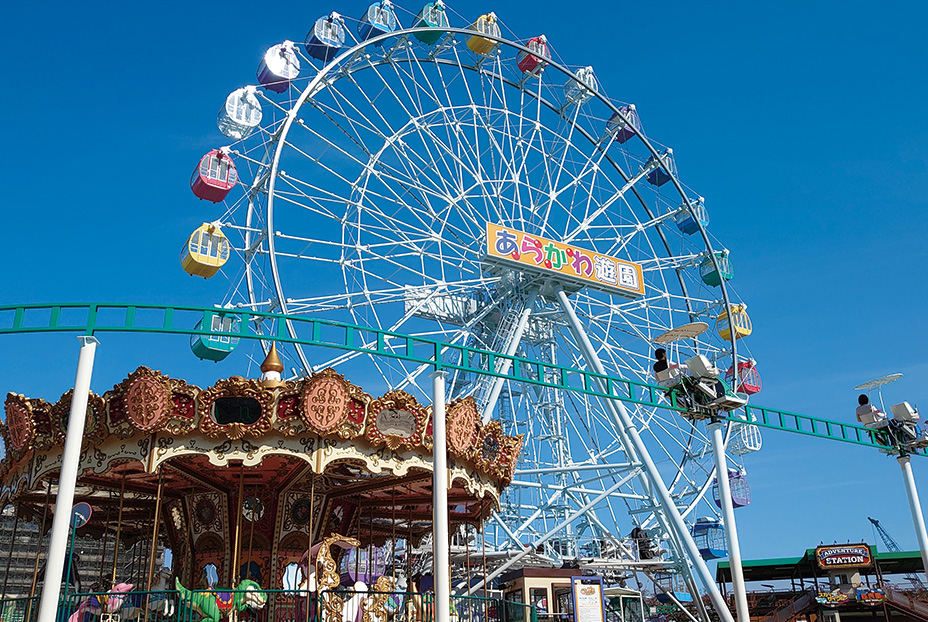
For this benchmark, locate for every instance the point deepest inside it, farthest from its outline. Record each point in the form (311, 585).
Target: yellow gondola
(739, 320)
(485, 25)
(206, 250)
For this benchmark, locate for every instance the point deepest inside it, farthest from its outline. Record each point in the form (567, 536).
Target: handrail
(91, 318)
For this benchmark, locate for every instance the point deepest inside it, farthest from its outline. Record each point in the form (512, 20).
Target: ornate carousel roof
(299, 448)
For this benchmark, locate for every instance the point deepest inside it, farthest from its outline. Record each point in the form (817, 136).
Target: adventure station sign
(843, 556)
(580, 266)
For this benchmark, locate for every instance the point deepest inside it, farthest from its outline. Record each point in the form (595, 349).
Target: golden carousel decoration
(251, 477)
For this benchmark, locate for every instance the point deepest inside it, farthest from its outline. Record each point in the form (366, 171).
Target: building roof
(804, 566)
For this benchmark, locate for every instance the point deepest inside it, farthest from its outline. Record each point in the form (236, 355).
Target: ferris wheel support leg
(440, 500)
(728, 516)
(67, 481)
(627, 430)
(514, 340)
(916, 507)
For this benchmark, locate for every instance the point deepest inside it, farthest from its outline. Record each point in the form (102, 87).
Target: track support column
(728, 517)
(916, 507)
(70, 462)
(651, 476)
(440, 500)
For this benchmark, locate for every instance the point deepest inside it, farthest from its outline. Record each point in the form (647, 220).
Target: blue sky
(802, 124)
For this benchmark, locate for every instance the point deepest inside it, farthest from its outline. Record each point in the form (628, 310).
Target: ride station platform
(832, 583)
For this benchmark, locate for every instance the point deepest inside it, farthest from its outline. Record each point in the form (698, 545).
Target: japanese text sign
(579, 265)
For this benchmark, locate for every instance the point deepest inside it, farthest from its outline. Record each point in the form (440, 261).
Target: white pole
(440, 500)
(728, 518)
(633, 443)
(916, 507)
(67, 480)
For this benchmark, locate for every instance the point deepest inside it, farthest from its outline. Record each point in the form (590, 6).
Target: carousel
(274, 488)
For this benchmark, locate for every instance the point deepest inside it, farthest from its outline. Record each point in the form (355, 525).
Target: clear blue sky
(802, 124)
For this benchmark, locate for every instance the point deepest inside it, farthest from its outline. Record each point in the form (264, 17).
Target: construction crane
(893, 546)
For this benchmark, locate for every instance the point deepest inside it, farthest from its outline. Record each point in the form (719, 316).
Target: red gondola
(214, 176)
(748, 377)
(533, 63)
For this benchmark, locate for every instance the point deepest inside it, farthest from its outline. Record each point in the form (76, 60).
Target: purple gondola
(619, 129)
(279, 67)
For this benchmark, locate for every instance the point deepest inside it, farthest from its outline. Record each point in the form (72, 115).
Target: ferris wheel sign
(580, 266)
(843, 556)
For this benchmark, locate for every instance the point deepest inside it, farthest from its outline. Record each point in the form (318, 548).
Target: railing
(789, 606)
(906, 601)
(91, 318)
(278, 606)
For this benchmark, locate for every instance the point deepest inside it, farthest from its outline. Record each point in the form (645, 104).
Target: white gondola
(578, 93)
(241, 113)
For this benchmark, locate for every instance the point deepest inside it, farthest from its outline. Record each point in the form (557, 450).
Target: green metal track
(93, 318)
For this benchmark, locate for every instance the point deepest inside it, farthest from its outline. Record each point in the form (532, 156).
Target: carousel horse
(110, 603)
(377, 607)
(420, 606)
(216, 604)
(157, 600)
(328, 579)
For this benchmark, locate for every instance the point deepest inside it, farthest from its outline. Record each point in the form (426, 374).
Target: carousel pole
(67, 481)
(154, 535)
(106, 533)
(251, 536)
(9, 558)
(122, 499)
(309, 548)
(238, 527)
(38, 554)
(440, 500)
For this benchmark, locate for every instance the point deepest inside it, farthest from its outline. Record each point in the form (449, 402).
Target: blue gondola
(659, 176)
(326, 38)
(432, 15)
(688, 221)
(709, 535)
(378, 20)
(215, 347)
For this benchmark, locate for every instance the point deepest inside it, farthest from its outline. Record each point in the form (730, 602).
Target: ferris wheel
(458, 183)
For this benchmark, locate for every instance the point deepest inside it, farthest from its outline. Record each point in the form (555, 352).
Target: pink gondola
(214, 176)
(748, 377)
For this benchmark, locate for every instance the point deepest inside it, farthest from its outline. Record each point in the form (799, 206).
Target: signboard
(579, 266)
(840, 556)
(588, 599)
(870, 596)
(80, 514)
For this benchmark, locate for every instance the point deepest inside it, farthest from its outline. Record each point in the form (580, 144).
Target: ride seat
(871, 417)
(670, 377)
(700, 367)
(904, 413)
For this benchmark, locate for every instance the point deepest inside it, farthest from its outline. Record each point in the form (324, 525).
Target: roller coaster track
(94, 318)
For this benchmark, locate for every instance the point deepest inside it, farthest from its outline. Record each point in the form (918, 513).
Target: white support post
(916, 507)
(67, 480)
(440, 500)
(633, 443)
(728, 518)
